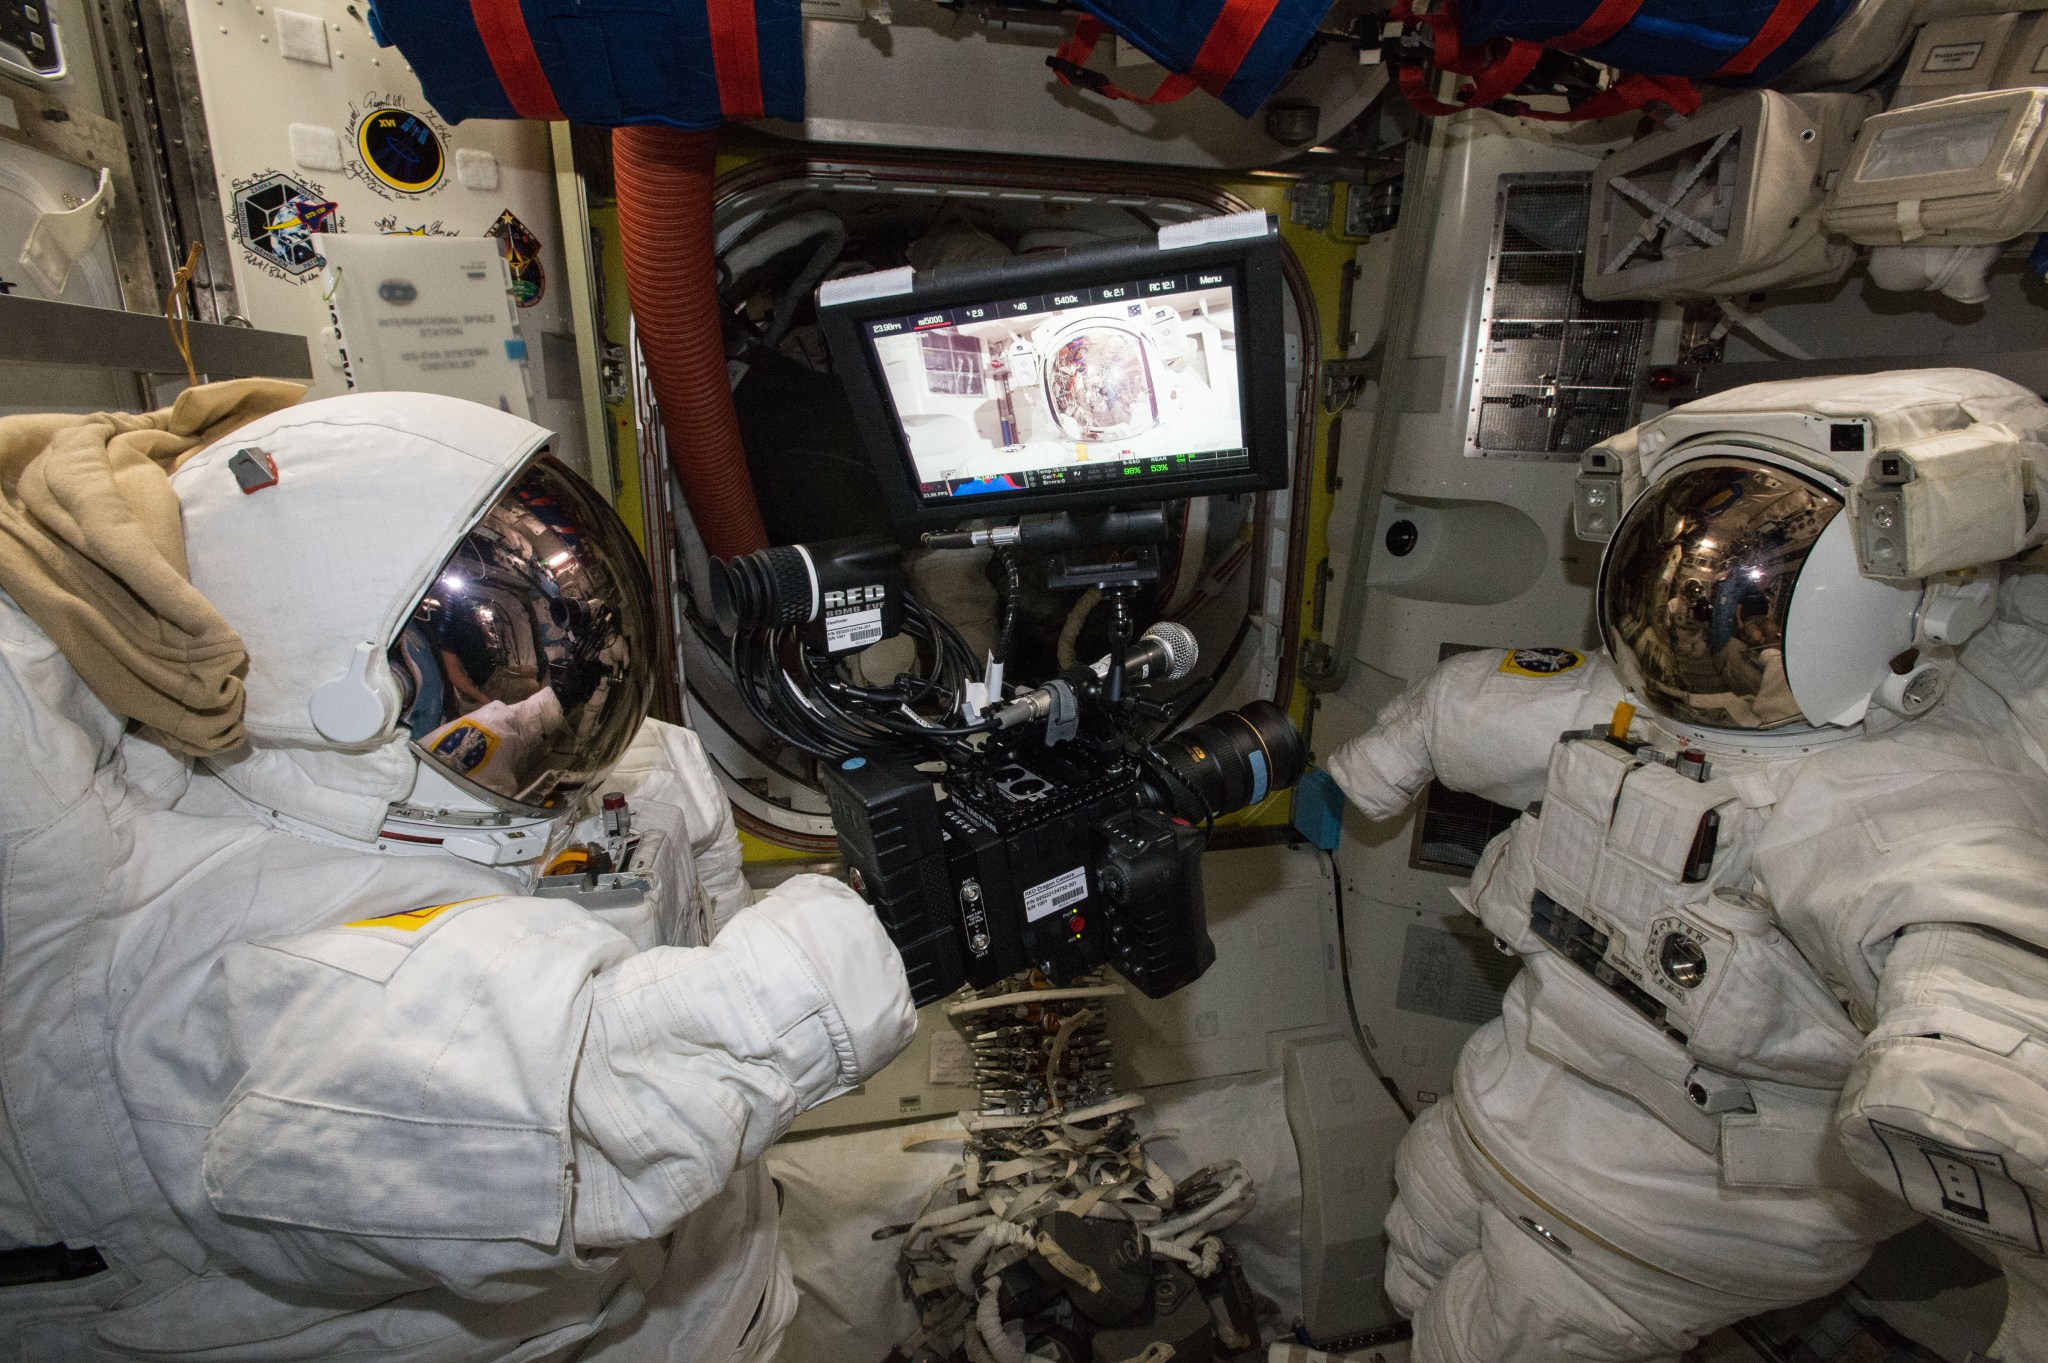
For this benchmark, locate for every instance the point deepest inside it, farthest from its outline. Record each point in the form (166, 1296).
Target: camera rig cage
(998, 829)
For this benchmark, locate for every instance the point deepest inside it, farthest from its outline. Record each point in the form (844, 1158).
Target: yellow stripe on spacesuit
(413, 919)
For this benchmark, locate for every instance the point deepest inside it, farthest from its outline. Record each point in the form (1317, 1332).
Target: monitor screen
(1119, 383)
(1129, 373)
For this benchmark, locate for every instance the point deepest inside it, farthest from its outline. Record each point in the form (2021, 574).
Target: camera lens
(1233, 760)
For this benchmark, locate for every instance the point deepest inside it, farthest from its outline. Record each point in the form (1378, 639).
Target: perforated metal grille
(1556, 372)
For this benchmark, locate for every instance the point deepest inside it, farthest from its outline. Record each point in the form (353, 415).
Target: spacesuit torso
(171, 954)
(1785, 976)
(301, 1057)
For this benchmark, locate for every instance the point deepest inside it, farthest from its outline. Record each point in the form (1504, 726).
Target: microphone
(1165, 652)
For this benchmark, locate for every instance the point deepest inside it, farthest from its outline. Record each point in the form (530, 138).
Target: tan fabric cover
(92, 548)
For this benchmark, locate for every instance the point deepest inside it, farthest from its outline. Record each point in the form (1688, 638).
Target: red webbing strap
(1238, 25)
(1493, 81)
(501, 24)
(1608, 18)
(1070, 64)
(735, 57)
(1784, 20)
(1631, 92)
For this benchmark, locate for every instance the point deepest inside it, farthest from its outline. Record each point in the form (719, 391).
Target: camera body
(1056, 859)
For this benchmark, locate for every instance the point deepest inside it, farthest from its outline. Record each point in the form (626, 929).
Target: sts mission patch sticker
(1541, 662)
(400, 150)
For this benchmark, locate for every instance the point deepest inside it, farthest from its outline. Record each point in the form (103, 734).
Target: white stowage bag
(1960, 272)
(842, 1187)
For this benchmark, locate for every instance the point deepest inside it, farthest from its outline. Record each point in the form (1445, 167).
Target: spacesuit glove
(698, 1058)
(1947, 1105)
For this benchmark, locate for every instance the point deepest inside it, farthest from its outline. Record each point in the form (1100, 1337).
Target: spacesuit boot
(1784, 972)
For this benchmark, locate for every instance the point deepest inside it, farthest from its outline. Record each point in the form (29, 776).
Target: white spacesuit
(1784, 936)
(300, 1058)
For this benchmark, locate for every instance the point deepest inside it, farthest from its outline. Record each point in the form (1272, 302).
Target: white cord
(997, 1233)
(988, 1320)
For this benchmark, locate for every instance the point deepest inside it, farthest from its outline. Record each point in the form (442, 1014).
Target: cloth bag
(92, 547)
(684, 63)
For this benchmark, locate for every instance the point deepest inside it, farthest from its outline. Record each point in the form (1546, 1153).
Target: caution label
(1968, 1190)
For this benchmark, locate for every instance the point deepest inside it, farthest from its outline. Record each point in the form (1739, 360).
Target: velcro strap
(1934, 1019)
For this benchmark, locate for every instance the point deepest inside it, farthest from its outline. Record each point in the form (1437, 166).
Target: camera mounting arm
(1063, 530)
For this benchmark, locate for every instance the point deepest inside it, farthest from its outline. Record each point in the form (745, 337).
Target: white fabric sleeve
(666, 766)
(697, 1059)
(1947, 1106)
(1481, 723)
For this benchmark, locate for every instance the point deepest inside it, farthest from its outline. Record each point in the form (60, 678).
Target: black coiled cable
(819, 711)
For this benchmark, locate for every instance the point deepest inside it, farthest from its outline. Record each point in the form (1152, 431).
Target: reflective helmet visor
(528, 664)
(1697, 584)
(1099, 383)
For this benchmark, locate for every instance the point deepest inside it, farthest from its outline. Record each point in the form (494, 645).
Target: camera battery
(887, 817)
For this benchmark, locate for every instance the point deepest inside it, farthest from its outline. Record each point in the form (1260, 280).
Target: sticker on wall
(275, 219)
(398, 150)
(522, 258)
(388, 226)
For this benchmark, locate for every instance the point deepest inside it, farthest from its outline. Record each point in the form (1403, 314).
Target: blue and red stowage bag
(1237, 50)
(685, 63)
(1731, 42)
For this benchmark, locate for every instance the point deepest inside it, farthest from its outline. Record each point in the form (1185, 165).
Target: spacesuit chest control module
(1076, 391)
(1776, 889)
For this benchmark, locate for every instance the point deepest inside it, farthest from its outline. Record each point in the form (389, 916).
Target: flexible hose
(664, 185)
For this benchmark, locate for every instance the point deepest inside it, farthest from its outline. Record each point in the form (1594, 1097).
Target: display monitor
(1131, 372)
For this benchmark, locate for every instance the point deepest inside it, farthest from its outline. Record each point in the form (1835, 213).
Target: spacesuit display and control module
(1777, 889)
(436, 1021)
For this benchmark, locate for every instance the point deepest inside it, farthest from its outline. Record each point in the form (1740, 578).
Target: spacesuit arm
(666, 766)
(468, 1094)
(698, 1059)
(1947, 1106)
(1481, 722)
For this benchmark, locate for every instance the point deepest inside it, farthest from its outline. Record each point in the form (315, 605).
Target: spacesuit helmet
(1730, 599)
(525, 669)
(449, 633)
(1802, 559)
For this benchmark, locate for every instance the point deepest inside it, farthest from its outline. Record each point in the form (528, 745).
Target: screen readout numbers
(1092, 296)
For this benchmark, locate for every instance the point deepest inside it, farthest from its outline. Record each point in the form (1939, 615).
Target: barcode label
(1050, 896)
(854, 629)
